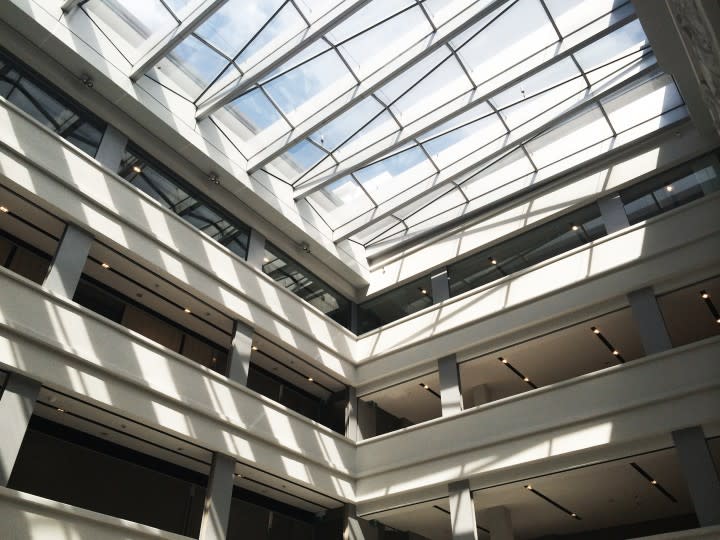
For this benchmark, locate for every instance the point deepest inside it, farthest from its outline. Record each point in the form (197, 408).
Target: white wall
(68, 348)
(27, 517)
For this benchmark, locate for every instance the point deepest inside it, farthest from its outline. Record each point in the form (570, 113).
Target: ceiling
(395, 118)
(606, 495)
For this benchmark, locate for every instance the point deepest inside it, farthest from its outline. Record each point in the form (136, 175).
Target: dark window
(395, 304)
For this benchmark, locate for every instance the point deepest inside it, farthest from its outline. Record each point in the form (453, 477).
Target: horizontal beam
(255, 73)
(473, 161)
(158, 49)
(566, 48)
(412, 56)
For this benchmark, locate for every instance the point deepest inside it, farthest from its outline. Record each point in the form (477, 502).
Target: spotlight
(137, 169)
(4, 209)
(595, 330)
(492, 260)
(254, 348)
(187, 310)
(310, 379)
(668, 188)
(704, 295)
(575, 227)
(105, 265)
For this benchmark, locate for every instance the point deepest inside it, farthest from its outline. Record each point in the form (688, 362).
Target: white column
(700, 474)
(240, 351)
(218, 497)
(613, 214)
(450, 395)
(351, 415)
(256, 249)
(17, 403)
(648, 317)
(499, 523)
(69, 261)
(110, 151)
(355, 528)
(462, 511)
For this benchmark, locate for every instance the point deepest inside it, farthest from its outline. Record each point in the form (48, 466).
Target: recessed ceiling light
(503, 360)
(575, 227)
(254, 348)
(187, 310)
(492, 260)
(574, 515)
(60, 410)
(528, 487)
(526, 379)
(4, 209)
(425, 386)
(105, 265)
(595, 330)
(668, 188)
(704, 295)
(137, 169)
(311, 379)
(616, 352)
(423, 291)
(653, 482)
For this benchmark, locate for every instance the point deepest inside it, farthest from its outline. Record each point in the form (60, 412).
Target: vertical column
(110, 151)
(216, 512)
(351, 414)
(256, 249)
(69, 261)
(462, 511)
(450, 395)
(240, 351)
(440, 286)
(700, 474)
(613, 214)
(650, 322)
(16, 407)
(355, 528)
(499, 523)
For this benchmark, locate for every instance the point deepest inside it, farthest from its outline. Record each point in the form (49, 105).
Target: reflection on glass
(301, 282)
(394, 305)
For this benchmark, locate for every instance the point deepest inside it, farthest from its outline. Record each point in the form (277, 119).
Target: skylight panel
(514, 165)
(441, 11)
(298, 160)
(629, 38)
(333, 134)
(450, 147)
(386, 178)
(314, 9)
(256, 115)
(338, 200)
(198, 66)
(571, 15)
(370, 15)
(522, 30)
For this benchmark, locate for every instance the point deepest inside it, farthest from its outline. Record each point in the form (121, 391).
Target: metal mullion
(374, 238)
(302, 15)
(375, 25)
(412, 56)
(551, 19)
(272, 102)
(499, 115)
(543, 65)
(172, 13)
(280, 56)
(464, 69)
(342, 59)
(424, 151)
(162, 46)
(529, 157)
(468, 40)
(213, 48)
(571, 113)
(427, 16)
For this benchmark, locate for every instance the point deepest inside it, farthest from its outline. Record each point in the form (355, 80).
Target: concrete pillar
(462, 511)
(355, 528)
(218, 497)
(480, 395)
(351, 415)
(240, 351)
(367, 419)
(613, 214)
(69, 261)
(700, 474)
(256, 249)
(499, 523)
(17, 403)
(648, 317)
(111, 149)
(450, 395)
(440, 286)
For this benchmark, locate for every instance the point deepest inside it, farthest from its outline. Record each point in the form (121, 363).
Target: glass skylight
(395, 117)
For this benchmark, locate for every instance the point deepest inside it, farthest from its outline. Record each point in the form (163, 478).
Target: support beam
(351, 415)
(158, 49)
(256, 249)
(462, 511)
(240, 351)
(700, 474)
(440, 286)
(218, 497)
(450, 395)
(499, 523)
(648, 317)
(483, 93)
(613, 214)
(473, 162)
(17, 403)
(112, 147)
(69, 5)
(412, 56)
(355, 528)
(252, 74)
(69, 261)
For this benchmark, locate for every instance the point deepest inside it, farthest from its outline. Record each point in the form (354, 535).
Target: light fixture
(492, 260)
(310, 379)
(704, 295)
(529, 487)
(653, 482)
(423, 291)
(266, 260)
(517, 372)
(105, 265)
(607, 344)
(526, 379)
(503, 360)
(668, 188)
(60, 410)
(254, 348)
(552, 502)
(616, 352)
(575, 227)
(4, 209)
(137, 169)
(87, 80)
(214, 178)
(595, 330)
(425, 386)
(187, 310)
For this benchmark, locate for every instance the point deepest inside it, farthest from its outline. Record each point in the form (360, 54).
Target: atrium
(359, 269)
